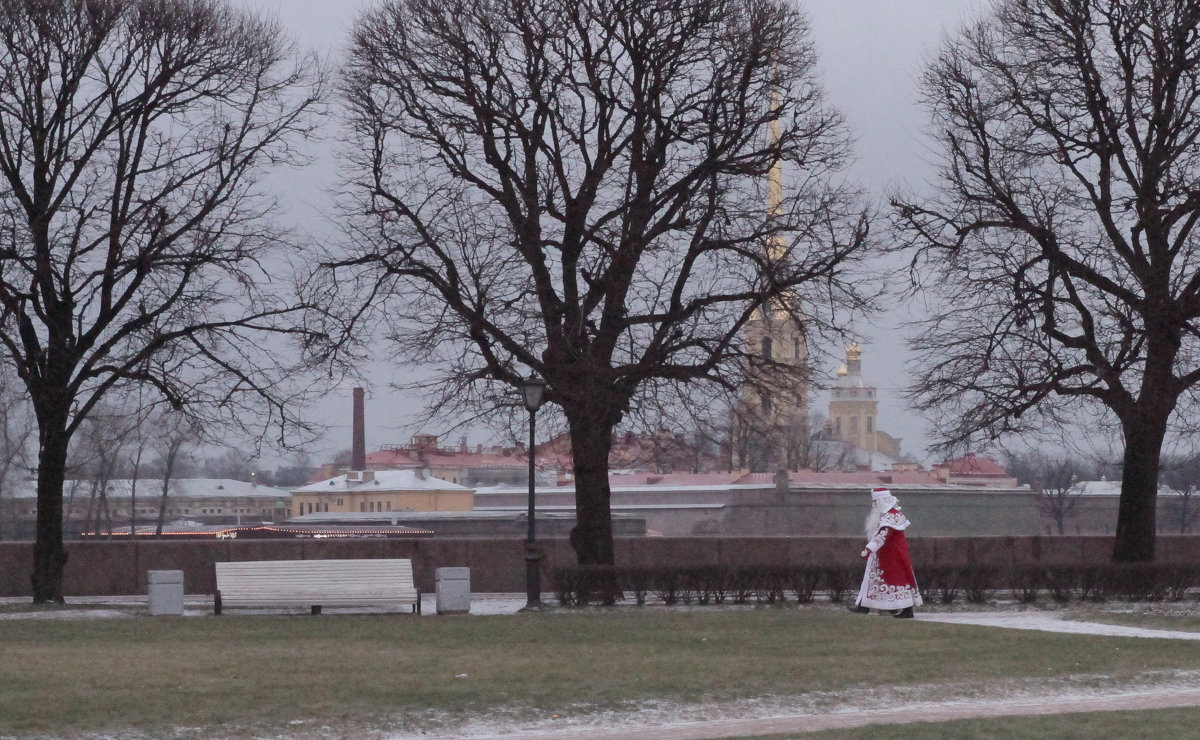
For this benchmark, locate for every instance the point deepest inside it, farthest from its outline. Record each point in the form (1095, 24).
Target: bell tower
(854, 405)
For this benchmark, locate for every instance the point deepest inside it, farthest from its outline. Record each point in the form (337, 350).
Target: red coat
(889, 582)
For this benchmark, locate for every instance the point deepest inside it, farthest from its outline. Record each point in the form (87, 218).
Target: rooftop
(380, 480)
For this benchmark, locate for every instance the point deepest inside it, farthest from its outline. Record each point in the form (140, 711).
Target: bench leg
(316, 609)
(217, 603)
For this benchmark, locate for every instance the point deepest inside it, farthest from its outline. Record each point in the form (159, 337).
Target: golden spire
(775, 181)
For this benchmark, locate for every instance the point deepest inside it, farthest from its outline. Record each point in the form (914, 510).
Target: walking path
(1053, 623)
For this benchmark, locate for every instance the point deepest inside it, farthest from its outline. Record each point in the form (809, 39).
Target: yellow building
(854, 409)
(381, 490)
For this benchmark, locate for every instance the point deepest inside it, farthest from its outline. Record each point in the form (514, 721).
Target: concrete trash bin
(453, 590)
(166, 591)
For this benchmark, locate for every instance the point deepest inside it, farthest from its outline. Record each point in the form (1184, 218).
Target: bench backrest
(372, 575)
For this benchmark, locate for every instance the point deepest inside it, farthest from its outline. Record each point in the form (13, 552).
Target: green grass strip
(389, 671)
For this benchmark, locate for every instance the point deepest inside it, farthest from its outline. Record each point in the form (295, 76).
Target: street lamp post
(532, 390)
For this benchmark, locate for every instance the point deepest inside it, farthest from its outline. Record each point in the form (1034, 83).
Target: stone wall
(497, 565)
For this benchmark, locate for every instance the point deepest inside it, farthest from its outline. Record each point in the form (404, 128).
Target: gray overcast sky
(870, 54)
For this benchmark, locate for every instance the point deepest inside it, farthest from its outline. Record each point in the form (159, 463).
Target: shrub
(1138, 581)
(804, 582)
(1024, 581)
(598, 584)
(840, 580)
(1095, 583)
(640, 581)
(977, 582)
(565, 581)
(940, 583)
(1178, 579)
(1061, 581)
(771, 584)
(668, 585)
(587, 584)
(706, 584)
(743, 583)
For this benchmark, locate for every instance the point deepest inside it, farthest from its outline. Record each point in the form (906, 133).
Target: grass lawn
(247, 675)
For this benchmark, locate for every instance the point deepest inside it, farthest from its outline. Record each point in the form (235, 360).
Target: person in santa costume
(888, 583)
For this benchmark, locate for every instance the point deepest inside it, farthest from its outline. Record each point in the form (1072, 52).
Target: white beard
(878, 509)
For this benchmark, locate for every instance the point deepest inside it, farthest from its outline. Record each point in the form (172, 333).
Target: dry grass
(255, 674)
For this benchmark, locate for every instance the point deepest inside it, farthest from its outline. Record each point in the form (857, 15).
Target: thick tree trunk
(591, 440)
(1136, 513)
(49, 554)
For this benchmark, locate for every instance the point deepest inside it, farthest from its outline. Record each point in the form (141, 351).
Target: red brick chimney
(358, 445)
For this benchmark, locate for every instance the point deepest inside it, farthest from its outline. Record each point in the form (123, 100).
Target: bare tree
(100, 454)
(578, 189)
(175, 434)
(1056, 481)
(232, 463)
(1182, 476)
(1060, 242)
(132, 245)
(761, 446)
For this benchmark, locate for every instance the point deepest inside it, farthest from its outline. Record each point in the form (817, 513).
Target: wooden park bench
(316, 583)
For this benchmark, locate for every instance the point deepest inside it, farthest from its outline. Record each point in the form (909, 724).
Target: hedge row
(770, 584)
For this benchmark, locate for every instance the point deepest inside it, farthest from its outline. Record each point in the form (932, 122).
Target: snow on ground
(1050, 622)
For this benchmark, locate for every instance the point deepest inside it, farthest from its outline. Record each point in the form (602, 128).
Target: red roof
(974, 465)
(407, 457)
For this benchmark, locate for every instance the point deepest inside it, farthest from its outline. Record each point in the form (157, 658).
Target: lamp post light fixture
(532, 392)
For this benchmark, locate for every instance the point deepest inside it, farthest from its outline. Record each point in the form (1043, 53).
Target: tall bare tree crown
(1060, 241)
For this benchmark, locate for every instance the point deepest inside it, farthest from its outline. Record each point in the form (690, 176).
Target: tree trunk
(162, 503)
(591, 440)
(1136, 514)
(49, 554)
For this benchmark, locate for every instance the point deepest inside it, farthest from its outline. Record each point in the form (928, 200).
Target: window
(854, 425)
(797, 349)
(837, 426)
(766, 403)
(340, 502)
(766, 347)
(870, 429)
(362, 505)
